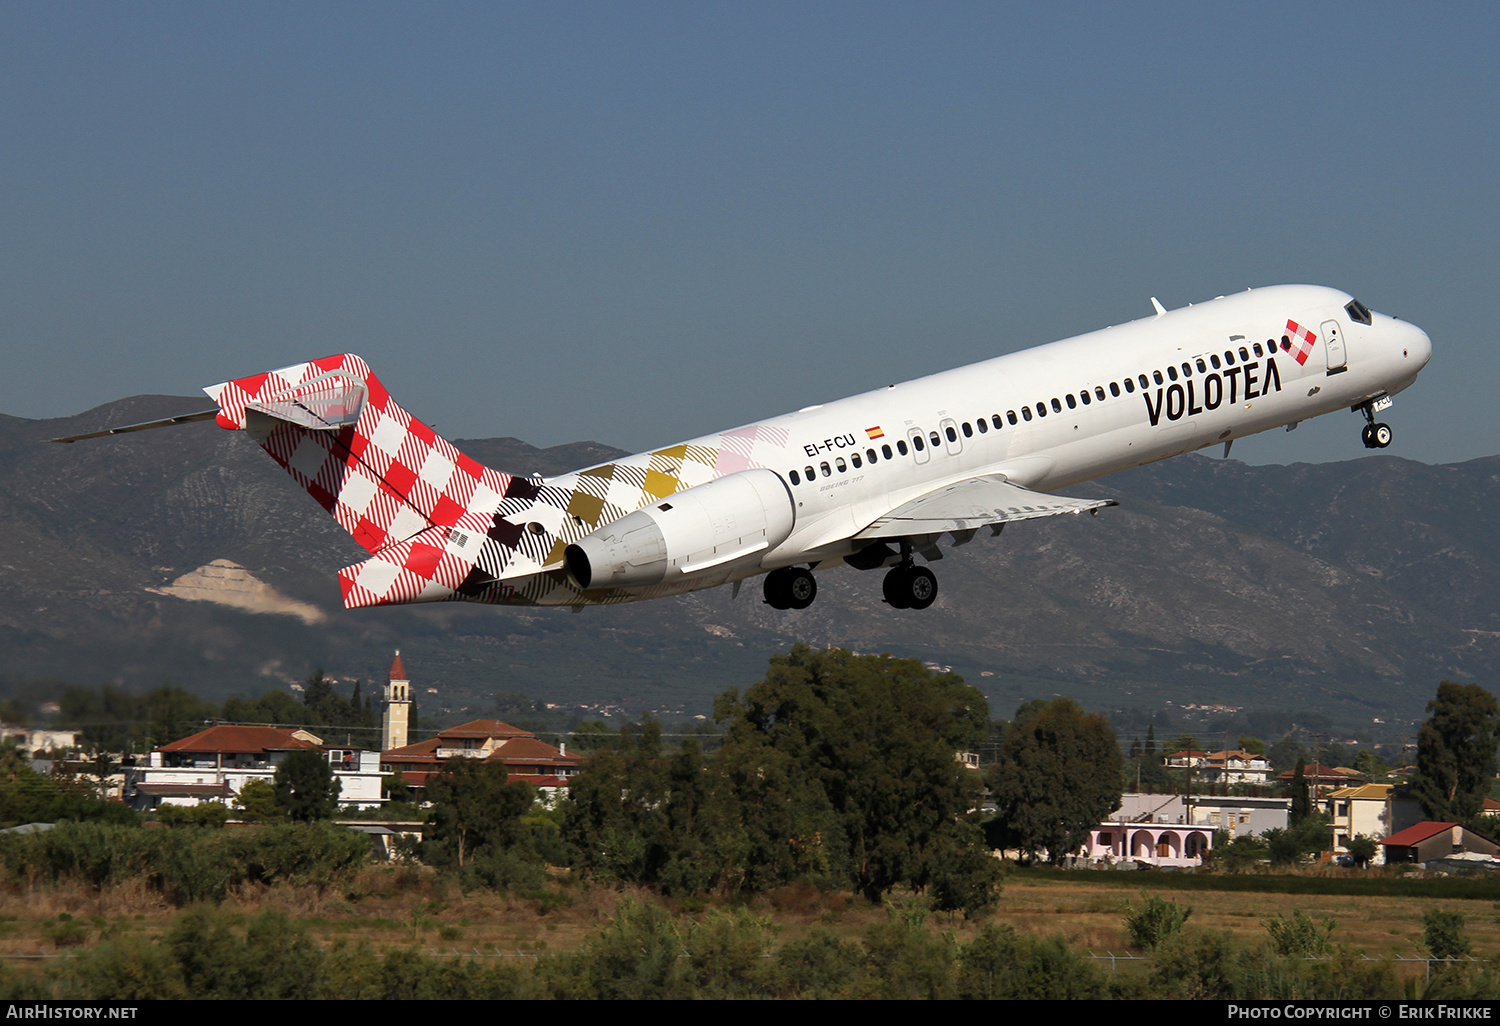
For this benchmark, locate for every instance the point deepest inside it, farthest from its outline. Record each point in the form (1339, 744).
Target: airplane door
(954, 442)
(1333, 340)
(918, 444)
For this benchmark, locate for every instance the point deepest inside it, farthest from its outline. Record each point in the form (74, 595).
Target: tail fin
(383, 474)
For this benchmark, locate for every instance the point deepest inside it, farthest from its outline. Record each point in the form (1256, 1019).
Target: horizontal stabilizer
(976, 502)
(186, 418)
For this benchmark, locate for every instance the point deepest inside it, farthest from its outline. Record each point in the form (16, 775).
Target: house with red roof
(524, 755)
(215, 764)
(1429, 841)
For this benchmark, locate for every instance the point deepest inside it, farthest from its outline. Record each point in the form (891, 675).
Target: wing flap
(974, 503)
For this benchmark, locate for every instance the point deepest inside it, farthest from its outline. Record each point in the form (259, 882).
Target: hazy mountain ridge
(1362, 582)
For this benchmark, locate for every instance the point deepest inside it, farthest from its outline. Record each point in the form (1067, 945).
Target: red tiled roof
(1417, 834)
(398, 672)
(229, 738)
(485, 728)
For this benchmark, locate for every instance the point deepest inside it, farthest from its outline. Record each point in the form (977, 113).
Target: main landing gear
(909, 587)
(791, 587)
(1374, 435)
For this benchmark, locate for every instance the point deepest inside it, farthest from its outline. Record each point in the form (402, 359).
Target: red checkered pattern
(1302, 341)
(394, 484)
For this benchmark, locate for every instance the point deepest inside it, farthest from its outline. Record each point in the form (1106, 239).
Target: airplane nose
(1418, 346)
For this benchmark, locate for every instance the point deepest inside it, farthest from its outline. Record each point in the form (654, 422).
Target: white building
(215, 764)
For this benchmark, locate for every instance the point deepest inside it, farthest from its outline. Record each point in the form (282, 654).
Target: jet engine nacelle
(735, 519)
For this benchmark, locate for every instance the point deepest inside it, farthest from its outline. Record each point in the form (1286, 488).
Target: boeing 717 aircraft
(871, 481)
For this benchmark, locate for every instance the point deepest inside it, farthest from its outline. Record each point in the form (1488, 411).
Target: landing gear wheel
(910, 587)
(893, 587)
(801, 587)
(921, 587)
(791, 587)
(1364, 436)
(1380, 436)
(776, 591)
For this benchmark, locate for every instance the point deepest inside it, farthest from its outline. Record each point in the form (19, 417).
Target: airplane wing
(977, 502)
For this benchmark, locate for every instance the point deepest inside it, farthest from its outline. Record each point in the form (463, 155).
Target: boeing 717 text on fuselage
(872, 481)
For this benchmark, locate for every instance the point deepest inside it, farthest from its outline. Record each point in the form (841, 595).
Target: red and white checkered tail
(384, 475)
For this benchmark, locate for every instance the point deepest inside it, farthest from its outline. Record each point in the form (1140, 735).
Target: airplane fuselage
(1053, 416)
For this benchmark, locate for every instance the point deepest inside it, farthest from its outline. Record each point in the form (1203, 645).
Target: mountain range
(186, 556)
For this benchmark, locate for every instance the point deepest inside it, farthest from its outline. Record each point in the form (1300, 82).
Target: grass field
(1379, 915)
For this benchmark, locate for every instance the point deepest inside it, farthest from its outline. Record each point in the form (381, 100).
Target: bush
(1443, 934)
(1298, 935)
(1155, 921)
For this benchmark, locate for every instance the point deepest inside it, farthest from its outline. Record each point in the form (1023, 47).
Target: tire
(894, 588)
(1364, 436)
(801, 588)
(921, 587)
(1381, 435)
(776, 591)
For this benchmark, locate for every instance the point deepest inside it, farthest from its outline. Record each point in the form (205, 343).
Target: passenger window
(1056, 406)
(1072, 403)
(854, 459)
(1114, 388)
(870, 455)
(826, 472)
(839, 462)
(969, 431)
(982, 424)
(1157, 376)
(796, 478)
(1010, 415)
(932, 436)
(1000, 423)
(1286, 343)
(916, 440)
(1228, 358)
(1244, 355)
(1099, 392)
(1026, 412)
(1171, 373)
(901, 447)
(885, 450)
(1084, 395)
(1041, 409)
(1187, 370)
(1215, 361)
(1202, 367)
(810, 475)
(952, 435)
(1130, 385)
(1258, 351)
(1144, 382)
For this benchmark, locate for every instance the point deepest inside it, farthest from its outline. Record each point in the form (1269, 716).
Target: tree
(257, 802)
(851, 760)
(1456, 752)
(305, 786)
(1301, 799)
(475, 806)
(1058, 775)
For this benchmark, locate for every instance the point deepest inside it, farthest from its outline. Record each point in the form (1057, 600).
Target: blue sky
(637, 223)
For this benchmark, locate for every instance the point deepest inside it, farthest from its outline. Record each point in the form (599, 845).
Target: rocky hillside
(1349, 587)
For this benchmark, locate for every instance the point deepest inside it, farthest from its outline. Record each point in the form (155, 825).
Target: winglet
(1159, 308)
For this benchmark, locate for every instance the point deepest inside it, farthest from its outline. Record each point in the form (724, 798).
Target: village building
(524, 755)
(215, 764)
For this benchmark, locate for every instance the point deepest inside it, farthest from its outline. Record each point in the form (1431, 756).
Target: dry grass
(398, 907)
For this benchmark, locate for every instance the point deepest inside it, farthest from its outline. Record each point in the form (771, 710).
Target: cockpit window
(1358, 311)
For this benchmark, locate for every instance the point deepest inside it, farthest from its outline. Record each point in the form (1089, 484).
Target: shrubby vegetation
(837, 768)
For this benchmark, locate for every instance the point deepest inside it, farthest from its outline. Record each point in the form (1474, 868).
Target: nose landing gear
(1374, 435)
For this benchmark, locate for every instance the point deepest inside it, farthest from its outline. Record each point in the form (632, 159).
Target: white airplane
(870, 481)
